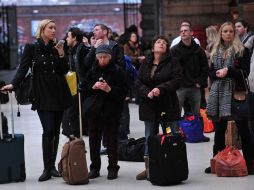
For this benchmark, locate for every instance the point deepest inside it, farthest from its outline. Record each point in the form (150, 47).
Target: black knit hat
(104, 48)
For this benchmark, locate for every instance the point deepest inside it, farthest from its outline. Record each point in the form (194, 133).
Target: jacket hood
(189, 49)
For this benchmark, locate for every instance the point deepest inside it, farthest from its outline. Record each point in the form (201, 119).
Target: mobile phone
(60, 43)
(101, 79)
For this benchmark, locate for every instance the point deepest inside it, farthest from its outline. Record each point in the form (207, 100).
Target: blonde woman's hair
(42, 25)
(211, 34)
(236, 45)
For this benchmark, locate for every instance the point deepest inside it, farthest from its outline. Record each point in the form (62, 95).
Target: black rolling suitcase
(168, 164)
(12, 158)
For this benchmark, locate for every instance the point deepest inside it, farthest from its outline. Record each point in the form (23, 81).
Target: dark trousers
(247, 142)
(109, 128)
(70, 121)
(51, 121)
(125, 121)
(246, 139)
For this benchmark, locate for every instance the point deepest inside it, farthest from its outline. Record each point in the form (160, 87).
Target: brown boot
(143, 174)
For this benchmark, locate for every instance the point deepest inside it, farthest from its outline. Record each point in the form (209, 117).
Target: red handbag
(214, 159)
(231, 164)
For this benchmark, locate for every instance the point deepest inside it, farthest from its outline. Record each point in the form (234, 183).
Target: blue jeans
(152, 129)
(193, 97)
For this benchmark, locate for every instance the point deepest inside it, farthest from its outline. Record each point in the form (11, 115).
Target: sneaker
(206, 139)
(208, 170)
(93, 174)
(104, 151)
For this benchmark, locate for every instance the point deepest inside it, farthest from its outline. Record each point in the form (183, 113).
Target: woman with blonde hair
(211, 36)
(229, 60)
(50, 89)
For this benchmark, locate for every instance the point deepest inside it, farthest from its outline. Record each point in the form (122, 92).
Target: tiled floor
(198, 157)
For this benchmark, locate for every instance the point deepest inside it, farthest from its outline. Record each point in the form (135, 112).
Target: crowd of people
(169, 78)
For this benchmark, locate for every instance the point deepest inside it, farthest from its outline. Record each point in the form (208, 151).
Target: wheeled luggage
(73, 165)
(168, 162)
(12, 159)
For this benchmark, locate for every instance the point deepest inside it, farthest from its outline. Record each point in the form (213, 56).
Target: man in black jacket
(100, 32)
(195, 69)
(105, 88)
(76, 53)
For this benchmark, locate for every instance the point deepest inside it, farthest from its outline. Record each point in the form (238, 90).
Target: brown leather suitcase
(231, 137)
(73, 165)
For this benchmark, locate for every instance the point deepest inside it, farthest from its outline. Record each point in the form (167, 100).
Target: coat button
(44, 62)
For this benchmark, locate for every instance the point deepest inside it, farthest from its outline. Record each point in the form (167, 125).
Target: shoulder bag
(24, 92)
(243, 101)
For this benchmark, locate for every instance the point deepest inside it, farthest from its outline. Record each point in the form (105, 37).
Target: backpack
(130, 68)
(73, 165)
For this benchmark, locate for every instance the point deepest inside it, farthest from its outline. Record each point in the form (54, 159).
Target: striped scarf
(220, 95)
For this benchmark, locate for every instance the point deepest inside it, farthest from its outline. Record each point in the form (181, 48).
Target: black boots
(93, 173)
(216, 149)
(55, 143)
(113, 172)
(49, 149)
(46, 150)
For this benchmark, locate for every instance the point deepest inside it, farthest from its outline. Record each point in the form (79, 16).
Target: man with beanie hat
(100, 32)
(105, 88)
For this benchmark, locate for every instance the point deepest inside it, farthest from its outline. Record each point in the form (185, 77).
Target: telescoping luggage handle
(80, 115)
(12, 120)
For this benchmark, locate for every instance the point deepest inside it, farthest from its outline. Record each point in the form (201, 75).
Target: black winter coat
(167, 78)
(105, 105)
(50, 87)
(194, 64)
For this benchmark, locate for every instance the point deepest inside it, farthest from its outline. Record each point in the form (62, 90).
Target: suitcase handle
(80, 115)
(12, 119)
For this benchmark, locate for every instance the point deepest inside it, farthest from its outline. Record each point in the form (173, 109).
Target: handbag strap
(33, 45)
(247, 86)
(246, 82)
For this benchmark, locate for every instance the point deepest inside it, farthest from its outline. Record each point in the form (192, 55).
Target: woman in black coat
(51, 92)
(158, 79)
